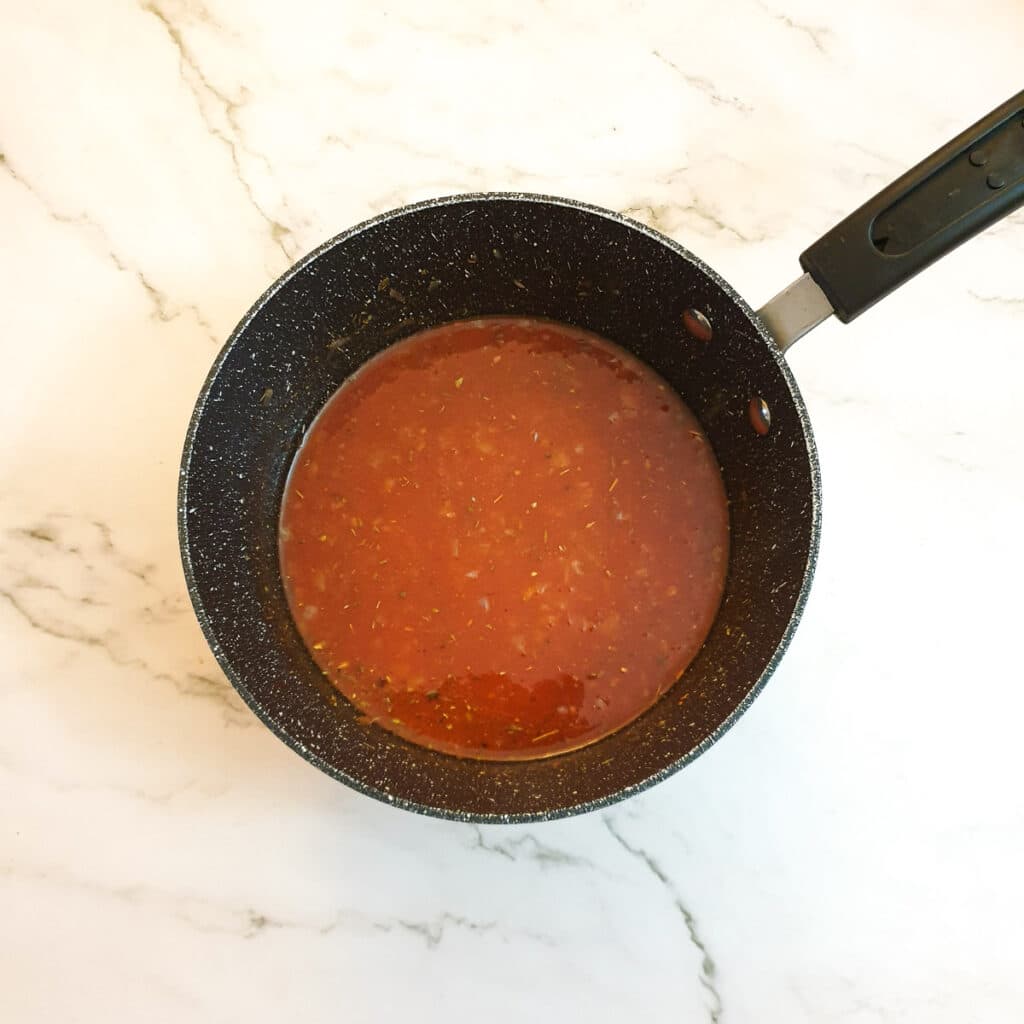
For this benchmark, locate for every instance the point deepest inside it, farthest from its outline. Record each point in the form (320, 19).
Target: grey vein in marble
(189, 684)
(26, 560)
(528, 847)
(162, 795)
(1011, 302)
(163, 309)
(815, 33)
(707, 964)
(197, 83)
(658, 216)
(704, 85)
(432, 932)
(207, 916)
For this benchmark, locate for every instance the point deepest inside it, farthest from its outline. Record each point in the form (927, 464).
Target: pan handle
(959, 190)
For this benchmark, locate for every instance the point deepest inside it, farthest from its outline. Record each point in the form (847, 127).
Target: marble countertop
(849, 852)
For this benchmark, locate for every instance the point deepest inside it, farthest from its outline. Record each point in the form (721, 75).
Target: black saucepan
(475, 255)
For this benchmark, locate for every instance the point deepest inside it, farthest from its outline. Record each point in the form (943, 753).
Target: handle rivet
(979, 158)
(697, 325)
(760, 415)
(995, 181)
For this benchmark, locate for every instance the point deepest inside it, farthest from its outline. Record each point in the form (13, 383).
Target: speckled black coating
(445, 260)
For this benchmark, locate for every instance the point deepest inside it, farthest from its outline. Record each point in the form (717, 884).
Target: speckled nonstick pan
(527, 255)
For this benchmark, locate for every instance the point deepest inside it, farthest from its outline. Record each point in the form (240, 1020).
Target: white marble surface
(850, 852)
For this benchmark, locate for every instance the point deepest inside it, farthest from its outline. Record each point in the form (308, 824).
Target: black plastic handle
(958, 191)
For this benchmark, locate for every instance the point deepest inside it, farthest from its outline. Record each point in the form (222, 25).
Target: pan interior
(448, 260)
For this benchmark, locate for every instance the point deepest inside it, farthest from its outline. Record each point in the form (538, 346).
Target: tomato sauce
(504, 538)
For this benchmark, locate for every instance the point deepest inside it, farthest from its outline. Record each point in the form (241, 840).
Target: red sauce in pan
(504, 538)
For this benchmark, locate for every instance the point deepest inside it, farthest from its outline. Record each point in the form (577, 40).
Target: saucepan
(537, 256)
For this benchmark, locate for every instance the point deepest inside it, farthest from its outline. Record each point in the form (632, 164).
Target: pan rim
(264, 714)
